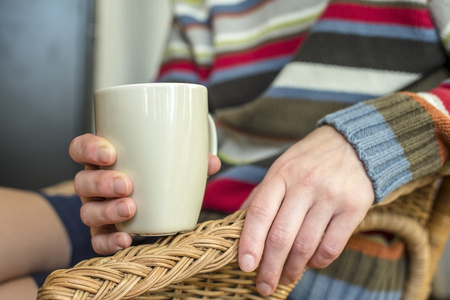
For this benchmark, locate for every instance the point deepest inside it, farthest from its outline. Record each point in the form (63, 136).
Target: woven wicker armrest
(202, 263)
(205, 260)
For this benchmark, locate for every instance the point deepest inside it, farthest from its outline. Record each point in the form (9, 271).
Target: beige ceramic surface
(163, 134)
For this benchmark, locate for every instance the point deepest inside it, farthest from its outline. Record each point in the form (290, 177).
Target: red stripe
(184, 66)
(226, 195)
(264, 52)
(443, 92)
(392, 15)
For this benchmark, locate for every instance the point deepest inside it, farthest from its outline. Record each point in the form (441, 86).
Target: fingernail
(120, 186)
(104, 155)
(121, 243)
(263, 288)
(247, 263)
(123, 210)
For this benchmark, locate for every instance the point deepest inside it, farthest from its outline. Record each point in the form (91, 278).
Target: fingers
(93, 150)
(317, 188)
(106, 240)
(99, 213)
(258, 221)
(214, 164)
(336, 236)
(278, 244)
(104, 193)
(102, 183)
(307, 242)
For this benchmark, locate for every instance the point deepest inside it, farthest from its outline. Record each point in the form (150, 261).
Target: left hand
(305, 210)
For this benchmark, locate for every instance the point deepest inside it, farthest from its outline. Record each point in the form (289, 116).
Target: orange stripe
(362, 244)
(441, 124)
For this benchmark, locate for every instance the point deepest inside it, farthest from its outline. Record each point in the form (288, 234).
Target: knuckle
(72, 147)
(324, 257)
(78, 147)
(258, 212)
(83, 148)
(329, 253)
(332, 191)
(285, 169)
(84, 215)
(77, 182)
(89, 183)
(103, 185)
(303, 248)
(97, 245)
(311, 179)
(278, 236)
(97, 213)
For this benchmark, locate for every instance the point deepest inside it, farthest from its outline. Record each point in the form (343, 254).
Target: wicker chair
(202, 264)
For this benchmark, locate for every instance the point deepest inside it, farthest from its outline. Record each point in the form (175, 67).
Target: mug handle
(212, 135)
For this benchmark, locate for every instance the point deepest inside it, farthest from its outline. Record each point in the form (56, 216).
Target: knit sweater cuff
(394, 138)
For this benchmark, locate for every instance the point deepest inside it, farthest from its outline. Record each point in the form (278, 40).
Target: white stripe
(272, 22)
(202, 49)
(224, 2)
(342, 79)
(198, 13)
(411, 1)
(238, 148)
(435, 101)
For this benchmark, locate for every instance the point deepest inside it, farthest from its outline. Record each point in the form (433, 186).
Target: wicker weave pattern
(202, 264)
(227, 283)
(416, 206)
(211, 246)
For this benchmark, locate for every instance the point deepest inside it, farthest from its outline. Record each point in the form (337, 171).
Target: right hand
(105, 193)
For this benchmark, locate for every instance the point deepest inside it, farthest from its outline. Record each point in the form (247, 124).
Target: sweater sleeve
(399, 137)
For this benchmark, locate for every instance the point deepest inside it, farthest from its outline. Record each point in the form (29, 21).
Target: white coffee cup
(162, 133)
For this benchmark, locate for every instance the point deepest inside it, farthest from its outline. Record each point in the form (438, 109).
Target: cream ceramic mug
(162, 133)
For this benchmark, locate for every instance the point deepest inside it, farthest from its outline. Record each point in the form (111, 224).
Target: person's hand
(305, 210)
(105, 193)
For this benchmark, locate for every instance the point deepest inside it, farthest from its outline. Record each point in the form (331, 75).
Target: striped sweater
(376, 70)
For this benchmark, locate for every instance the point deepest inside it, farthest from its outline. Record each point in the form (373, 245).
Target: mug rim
(150, 84)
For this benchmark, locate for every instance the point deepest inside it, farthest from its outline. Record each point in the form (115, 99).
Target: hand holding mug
(115, 185)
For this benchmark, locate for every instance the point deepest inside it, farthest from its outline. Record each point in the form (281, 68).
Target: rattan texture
(202, 263)
(153, 269)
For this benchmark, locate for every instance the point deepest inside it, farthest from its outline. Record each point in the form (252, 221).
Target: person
(371, 75)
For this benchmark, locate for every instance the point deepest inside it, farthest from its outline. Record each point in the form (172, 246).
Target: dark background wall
(45, 67)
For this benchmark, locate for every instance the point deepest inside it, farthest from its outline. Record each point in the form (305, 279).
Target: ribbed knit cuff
(394, 138)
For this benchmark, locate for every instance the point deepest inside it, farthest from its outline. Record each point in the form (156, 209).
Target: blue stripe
(447, 81)
(376, 144)
(250, 69)
(219, 9)
(235, 8)
(320, 287)
(319, 95)
(378, 30)
(180, 77)
(245, 173)
(188, 20)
